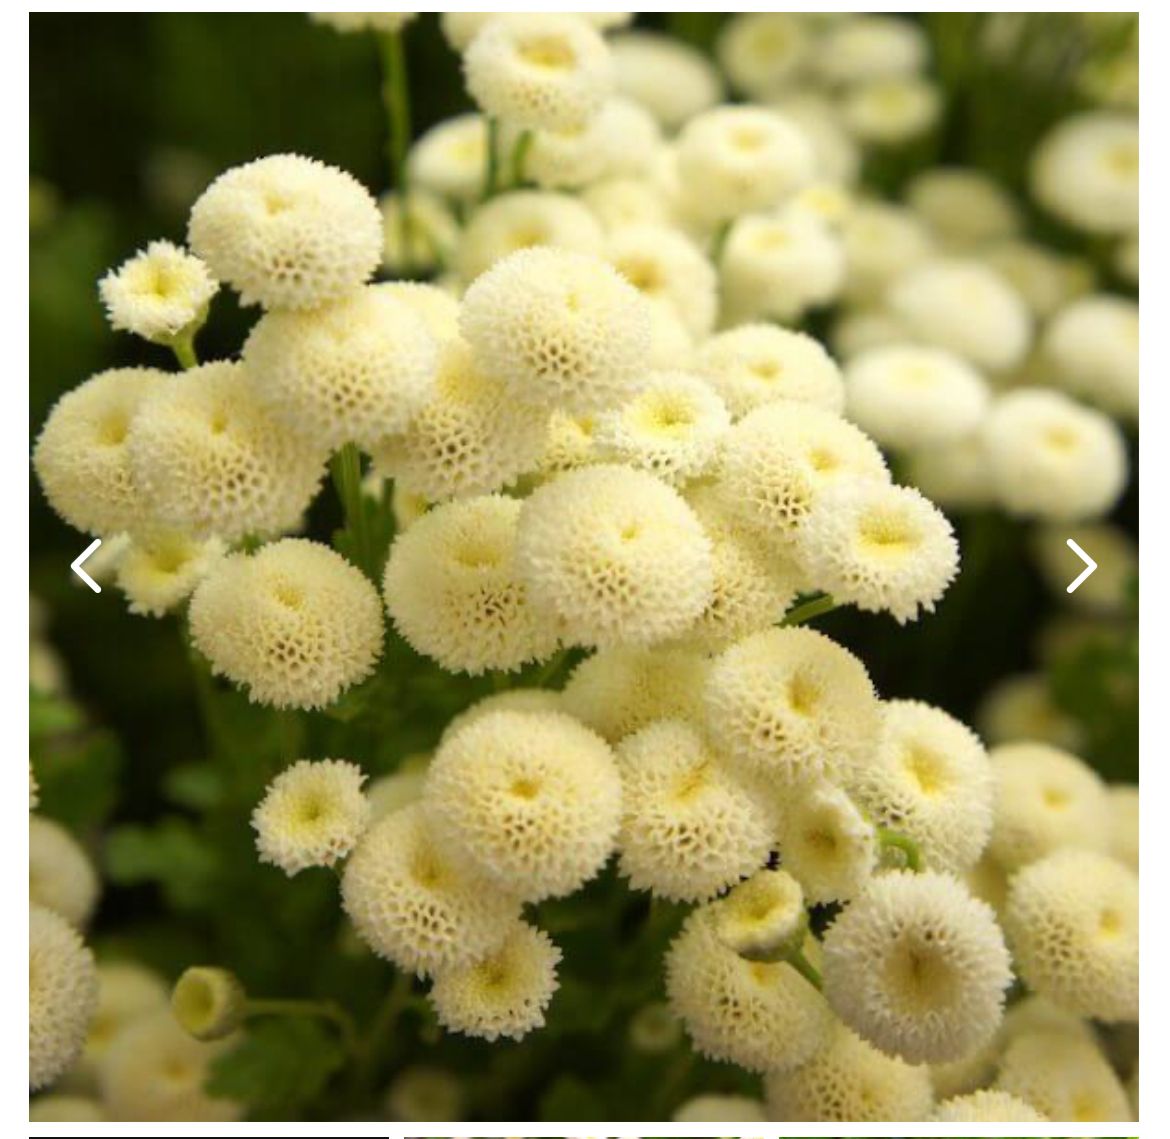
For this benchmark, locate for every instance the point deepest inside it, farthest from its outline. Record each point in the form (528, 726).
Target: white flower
(159, 293)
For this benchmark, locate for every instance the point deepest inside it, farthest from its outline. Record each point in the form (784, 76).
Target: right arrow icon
(1090, 565)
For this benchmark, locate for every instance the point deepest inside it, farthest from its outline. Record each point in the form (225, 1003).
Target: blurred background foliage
(131, 116)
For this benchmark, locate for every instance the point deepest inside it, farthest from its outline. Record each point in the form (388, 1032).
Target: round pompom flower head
(735, 160)
(930, 778)
(294, 623)
(672, 427)
(617, 556)
(790, 702)
(755, 364)
(539, 70)
(566, 331)
(522, 219)
(825, 842)
(911, 396)
(987, 1106)
(355, 370)
(966, 308)
(62, 995)
(689, 827)
(82, 456)
(448, 159)
(1064, 1075)
(619, 690)
(763, 1016)
(1050, 457)
(532, 798)
(287, 231)
(1092, 344)
(159, 293)
(417, 901)
(420, 1092)
(762, 916)
(1045, 799)
(883, 548)
(1085, 171)
(312, 814)
(780, 456)
(867, 47)
(918, 967)
(1072, 920)
(762, 52)
(671, 79)
(454, 592)
(209, 459)
(159, 569)
(506, 993)
(469, 437)
(720, 1109)
(889, 112)
(849, 1081)
(61, 876)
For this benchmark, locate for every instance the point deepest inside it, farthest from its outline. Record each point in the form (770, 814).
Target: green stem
(183, 346)
(520, 156)
(805, 968)
(896, 840)
(346, 468)
(810, 609)
(326, 1010)
(396, 99)
(491, 180)
(551, 667)
(382, 1024)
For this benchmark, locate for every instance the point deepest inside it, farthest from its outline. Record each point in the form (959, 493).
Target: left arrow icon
(75, 565)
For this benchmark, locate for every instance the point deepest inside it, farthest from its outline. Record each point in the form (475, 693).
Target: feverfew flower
(763, 1016)
(61, 876)
(762, 915)
(1085, 171)
(967, 308)
(504, 994)
(779, 266)
(539, 69)
(965, 208)
(930, 778)
(82, 456)
(448, 159)
(755, 364)
(889, 112)
(454, 591)
(1092, 345)
(672, 80)
(385, 23)
(689, 827)
(1072, 920)
(850, 1081)
(861, 48)
(790, 702)
(918, 967)
(671, 427)
(418, 902)
(208, 459)
(420, 237)
(880, 547)
(522, 219)
(159, 294)
(738, 159)
(562, 329)
(1052, 458)
(312, 814)
(287, 231)
(532, 798)
(763, 52)
(908, 396)
(62, 995)
(355, 370)
(987, 1107)
(294, 623)
(159, 570)
(616, 555)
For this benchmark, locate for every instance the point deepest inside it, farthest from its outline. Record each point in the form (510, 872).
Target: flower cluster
(611, 447)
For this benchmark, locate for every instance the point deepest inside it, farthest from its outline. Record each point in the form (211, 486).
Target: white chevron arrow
(1090, 565)
(75, 565)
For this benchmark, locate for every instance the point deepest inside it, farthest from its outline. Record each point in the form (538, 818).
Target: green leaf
(570, 1098)
(78, 777)
(195, 785)
(278, 1068)
(51, 715)
(171, 854)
